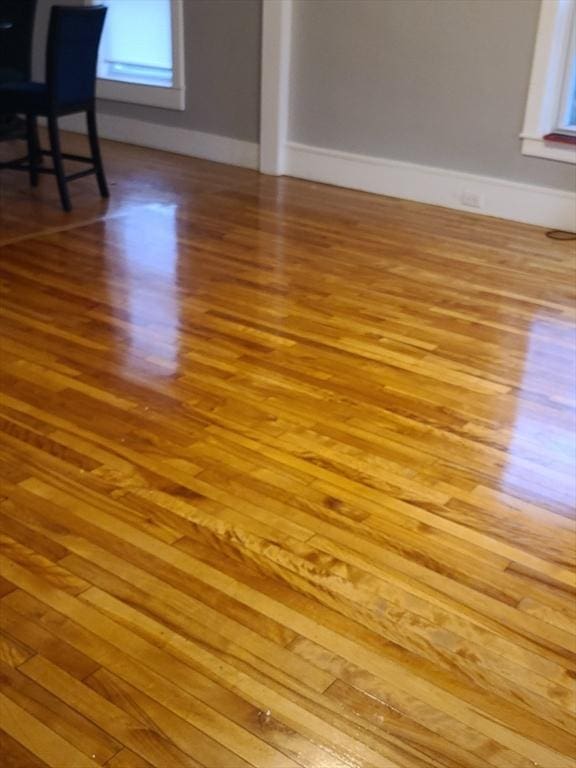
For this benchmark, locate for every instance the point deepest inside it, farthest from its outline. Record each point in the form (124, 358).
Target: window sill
(551, 150)
(560, 138)
(137, 93)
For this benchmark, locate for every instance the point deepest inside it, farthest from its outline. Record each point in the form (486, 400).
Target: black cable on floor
(560, 234)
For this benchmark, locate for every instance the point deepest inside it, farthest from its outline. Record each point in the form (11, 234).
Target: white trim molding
(275, 86)
(486, 195)
(138, 93)
(537, 147)
(182, 141)
(547, 80)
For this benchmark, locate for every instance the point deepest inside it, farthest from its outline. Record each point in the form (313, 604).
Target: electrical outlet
(471, 199)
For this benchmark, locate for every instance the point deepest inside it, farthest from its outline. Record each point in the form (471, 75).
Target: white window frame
(172, 97)
(547, 81)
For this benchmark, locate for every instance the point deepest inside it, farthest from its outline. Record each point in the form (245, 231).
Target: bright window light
(137, 43)
(567, 116)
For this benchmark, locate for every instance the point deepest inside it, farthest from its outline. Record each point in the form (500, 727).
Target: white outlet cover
(470, 198)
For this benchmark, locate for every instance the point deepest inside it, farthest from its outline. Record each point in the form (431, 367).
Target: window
(567, 115)
(550, 121)
(141, 53)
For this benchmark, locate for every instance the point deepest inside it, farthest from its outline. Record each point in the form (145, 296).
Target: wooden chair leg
(57, 160)
(33, 147)
(95, 150)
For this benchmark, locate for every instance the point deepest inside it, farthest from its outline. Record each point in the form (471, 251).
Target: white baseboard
(543, 206)
(528, 203)
(182, 141)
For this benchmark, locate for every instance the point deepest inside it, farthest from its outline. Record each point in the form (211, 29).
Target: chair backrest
(16, 31)
(72, 53)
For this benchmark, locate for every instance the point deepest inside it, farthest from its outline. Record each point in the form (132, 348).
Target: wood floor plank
(59, 652)
(174, 728)
(15, 755)
(127, 759)
(204, 691)
(12, 652)
(110, 718)
(63, 720)
(38, 738)
(287, 477)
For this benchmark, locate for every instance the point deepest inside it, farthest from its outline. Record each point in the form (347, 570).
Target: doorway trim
(275, 85)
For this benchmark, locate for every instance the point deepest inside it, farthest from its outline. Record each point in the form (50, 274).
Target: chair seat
(24, 98)
(11, 75)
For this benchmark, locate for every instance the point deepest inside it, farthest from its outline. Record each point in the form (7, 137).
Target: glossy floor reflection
(143, 259)
(288, 478)
(541, 455)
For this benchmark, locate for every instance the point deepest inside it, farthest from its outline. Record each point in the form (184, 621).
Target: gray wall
(222, 42)
(40, 31)
(436, 82)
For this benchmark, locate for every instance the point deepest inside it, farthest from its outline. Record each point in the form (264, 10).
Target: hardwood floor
(288, 478)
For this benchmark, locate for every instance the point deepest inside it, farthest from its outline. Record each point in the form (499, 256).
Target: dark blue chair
(71, 57)
(16, 33)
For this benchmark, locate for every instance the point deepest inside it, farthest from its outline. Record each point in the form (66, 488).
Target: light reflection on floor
(552, 480)
(147, 253)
